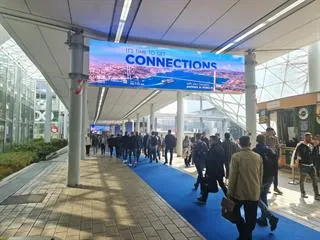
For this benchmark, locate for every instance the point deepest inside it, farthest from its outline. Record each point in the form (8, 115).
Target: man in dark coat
(170, 143)
(269, 157)
(139, 147)
(125, 146)
(132, 148)
(145, 147)
(199, 154)
(229, 148)
(205, 139)
(214, 170)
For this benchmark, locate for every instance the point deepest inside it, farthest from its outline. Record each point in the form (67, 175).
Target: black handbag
(227, 210)
(210, 184)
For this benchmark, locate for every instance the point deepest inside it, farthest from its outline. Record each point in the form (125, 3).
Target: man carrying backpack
(170, 143)
(200, 151)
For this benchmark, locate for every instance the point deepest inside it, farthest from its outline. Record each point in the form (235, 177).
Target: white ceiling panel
(57, 9)
(236, 20)
(55, 41)
(14, 5)
(92, 94)
(31, 41)
(31, 38)
(120, 101)
(303, 27)
(94, 14)
(155, 17)
(196, 18)
(4, 36)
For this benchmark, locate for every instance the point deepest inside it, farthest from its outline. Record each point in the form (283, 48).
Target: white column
(84, 123)
(180, 122)
(65, 123)
(138, 123)
(123, 128)
(112, 130)
(201, 118)
(148, 125)
(76, 44)
(132, 122)
(251, 100)
(151, 117)
(155, 123)
(314, 67)
(47, 123)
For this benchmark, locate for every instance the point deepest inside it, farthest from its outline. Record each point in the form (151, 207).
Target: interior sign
(137, 66)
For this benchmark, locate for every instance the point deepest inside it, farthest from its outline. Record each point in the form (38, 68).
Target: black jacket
(199, 152)
(133, 143)
(140, 142)
(305, 153)
(269, 159)
(206, 140)
(170, 141)
(145, 139)
(214, 162)
(229, 148)
(126, 141)
(316, 156)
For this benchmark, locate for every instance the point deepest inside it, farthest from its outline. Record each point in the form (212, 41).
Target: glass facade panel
(17, 99)
(281, 77)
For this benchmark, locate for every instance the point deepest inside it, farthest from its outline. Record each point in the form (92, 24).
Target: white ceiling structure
(40, 28)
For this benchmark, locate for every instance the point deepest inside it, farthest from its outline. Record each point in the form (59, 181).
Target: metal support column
(148, 125)
(123, 128)
(84, 122)
(65, 123)
(180, 122)
(47, 123)
(313, 67)
(151, 117)
(138, 123)
(251, 100)
(201, 114)
(133, 128)
(76, 44)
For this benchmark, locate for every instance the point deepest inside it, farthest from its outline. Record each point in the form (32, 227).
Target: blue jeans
(263, 202)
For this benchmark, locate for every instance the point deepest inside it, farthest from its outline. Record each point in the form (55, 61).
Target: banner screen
(136, 66)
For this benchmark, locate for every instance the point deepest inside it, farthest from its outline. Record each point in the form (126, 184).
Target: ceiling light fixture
(100, 103)
(225, 48)
(144, 101)
(123, 19)
(287, 9)
(122, 22)
(261, 25)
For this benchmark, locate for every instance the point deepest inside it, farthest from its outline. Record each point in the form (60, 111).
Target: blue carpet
(175, 187)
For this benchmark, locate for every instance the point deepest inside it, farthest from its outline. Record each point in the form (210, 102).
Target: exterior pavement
(112, 203)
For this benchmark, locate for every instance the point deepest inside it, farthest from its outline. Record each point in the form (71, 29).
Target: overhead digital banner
(135, 66)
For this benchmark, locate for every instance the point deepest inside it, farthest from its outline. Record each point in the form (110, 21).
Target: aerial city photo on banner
(137, 66)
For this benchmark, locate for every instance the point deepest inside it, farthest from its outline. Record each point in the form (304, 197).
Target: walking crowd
(130, 146)
(244, 174)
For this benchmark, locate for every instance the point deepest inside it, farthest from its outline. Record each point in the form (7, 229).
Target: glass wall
(40, 112)
(199, 115)
(17, 94)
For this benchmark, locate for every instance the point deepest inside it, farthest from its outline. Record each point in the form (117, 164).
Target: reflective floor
(290, 205)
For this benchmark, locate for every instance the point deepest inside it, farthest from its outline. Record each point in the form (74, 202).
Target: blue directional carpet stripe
(175, 187)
